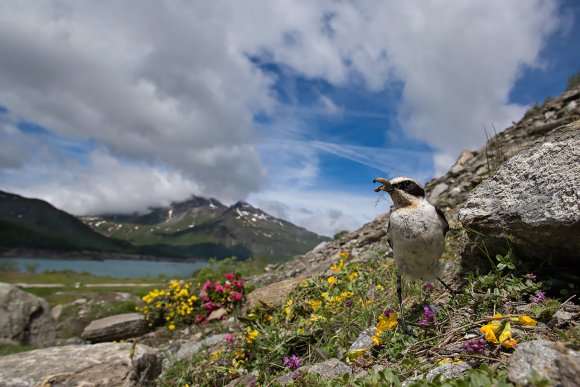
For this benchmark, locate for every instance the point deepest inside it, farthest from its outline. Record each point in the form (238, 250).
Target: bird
(416, 233)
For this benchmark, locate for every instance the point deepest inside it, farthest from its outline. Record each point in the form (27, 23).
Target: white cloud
(170, 89)
(105, 185)
(322, 210)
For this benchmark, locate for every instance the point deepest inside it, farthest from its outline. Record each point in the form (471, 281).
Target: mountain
(204, 228)
(34, 223)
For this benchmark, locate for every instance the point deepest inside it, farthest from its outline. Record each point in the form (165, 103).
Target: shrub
(188, 303)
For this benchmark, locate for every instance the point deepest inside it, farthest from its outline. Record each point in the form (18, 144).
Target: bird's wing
(443, 219)
(389, 235)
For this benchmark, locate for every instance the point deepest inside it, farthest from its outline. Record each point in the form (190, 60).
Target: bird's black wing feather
(442, 217)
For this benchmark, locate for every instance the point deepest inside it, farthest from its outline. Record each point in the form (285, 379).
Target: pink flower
(199, 318)
(227, 286)
(206, 285)
(230, 277)
(238, 283)
(219, 288)
(230, 338)
(236, 296)
(208, 306)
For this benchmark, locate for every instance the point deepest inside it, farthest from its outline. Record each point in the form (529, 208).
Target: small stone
(364, 340)
(330, 369)
(449, 370)
(188, 349)
(217, 314)
(118, 327)
(561, 319)
(57, 311)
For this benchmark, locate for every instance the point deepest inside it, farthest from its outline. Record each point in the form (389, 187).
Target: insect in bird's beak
(386, 185)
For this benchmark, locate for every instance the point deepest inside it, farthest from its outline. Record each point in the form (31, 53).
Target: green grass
(10, 349)
(317, 323)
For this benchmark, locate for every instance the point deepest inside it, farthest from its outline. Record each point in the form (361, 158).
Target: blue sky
(294, 106)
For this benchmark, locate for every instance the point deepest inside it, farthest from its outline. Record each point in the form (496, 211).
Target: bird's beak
(386, 185)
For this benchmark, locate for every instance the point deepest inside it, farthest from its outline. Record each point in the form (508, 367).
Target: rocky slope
(205, 228)
(448, 192)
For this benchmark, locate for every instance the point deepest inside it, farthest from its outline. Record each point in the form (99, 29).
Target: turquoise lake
(113, 268)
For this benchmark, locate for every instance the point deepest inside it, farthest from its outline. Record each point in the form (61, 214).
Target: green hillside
(34, 223)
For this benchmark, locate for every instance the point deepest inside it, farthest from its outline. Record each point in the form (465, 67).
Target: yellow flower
(448, 360)
(346, 294)
(387, 323)
(338, 267)
(343, 255)
(489, 333)
(267, 318)
(354, 355)
(506, 336)
(331, 280)
(216, 354)
(352, 276)
(380, 287)
(527, 320)
(376, 338)
(316, 317)
(324, 295)
(315, 304)
(251, 336)
(171, 326)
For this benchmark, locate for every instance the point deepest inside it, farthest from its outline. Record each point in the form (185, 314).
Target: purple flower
(348, 302)
(427, 318)
(388, 312)
(292, 362)
(531, 277)
(539, 298)
(475, 346)
(295, 375)
(428, 287)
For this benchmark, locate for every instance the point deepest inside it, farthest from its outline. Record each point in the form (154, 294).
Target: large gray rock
(537, 355)
(118, 327)
(533, 200)
(106, 364)
(25, 318)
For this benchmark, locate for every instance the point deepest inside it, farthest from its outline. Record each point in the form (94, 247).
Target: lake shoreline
(89, 256)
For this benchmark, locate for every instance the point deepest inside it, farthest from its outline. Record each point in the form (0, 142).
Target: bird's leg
(400, 295)
(451, 291)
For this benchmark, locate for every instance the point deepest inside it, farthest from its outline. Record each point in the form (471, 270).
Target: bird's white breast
(418, 240)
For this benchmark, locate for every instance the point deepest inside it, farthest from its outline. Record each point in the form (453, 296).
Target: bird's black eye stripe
(410, 187)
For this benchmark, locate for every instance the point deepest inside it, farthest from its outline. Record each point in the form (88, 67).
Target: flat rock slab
(273, 295)
(106, 364)
(25, 318)
(118, 327)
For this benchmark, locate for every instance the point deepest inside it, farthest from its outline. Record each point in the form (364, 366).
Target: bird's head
(403, 190)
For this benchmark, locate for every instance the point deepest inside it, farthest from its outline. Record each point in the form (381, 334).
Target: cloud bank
(170, 91)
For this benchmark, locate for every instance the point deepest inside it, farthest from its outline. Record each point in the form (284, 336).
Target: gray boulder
(106, 364)
(533, 200)
(118, 327)
(537, 355)
(25, 318)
